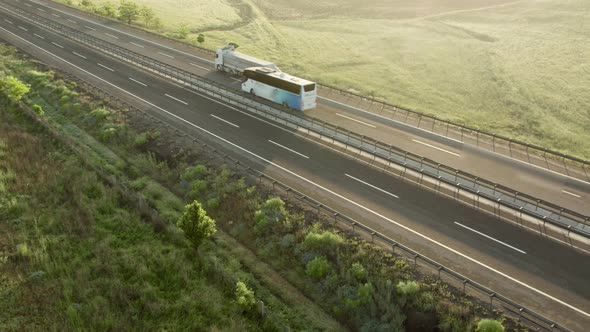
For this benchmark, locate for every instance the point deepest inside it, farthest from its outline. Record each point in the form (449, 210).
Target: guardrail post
(419, 120)
(416, 259)
(335, 217)
(353, 224)
(393, 245)
(288, 190)
(439, 269)
(373, 237)
(447, 134)
(477, 138)
(494, 142)
(492, 299)
(499, 207)
(464, 286)
(567, 171)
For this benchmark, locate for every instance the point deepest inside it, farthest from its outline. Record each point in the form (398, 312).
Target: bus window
(309, 87)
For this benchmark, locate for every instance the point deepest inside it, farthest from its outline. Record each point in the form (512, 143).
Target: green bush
(194, 173)
(489, 325)
(358, 271)
(38, 109)
(244, 296)
(365, 293)
(196, 224)
(318, 267)
(322, 242)
(197, 187)
(141, 139)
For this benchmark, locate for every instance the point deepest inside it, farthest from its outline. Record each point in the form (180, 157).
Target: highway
(537, 272)
(557, 188)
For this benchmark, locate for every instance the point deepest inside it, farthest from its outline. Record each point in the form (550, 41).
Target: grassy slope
(517, 68)
(74, 256)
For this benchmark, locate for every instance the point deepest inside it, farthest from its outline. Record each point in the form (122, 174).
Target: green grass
(516, 68)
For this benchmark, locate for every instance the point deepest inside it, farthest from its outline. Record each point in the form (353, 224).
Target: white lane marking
(164, 54)
(372, 186)
(178, 100)
(8, 21)
(91, 28)
(311, 182)
(56, 44)
(39, 36)
(572, 194)
(194, 64)
(489, 237)
(359, 121)
(290, 150)
(80, 55)
(235, 79)
(386, 118)
(136, 44)
(105, 67)
(22, 28)
(41, 9)
(128, 34)
(112, 36)
(54, 14)
(28, 4)
(72, 21)
(229, 123)
(136, 81)
(436, 147)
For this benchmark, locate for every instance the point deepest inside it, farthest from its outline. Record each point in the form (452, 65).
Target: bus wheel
(252, 92)
(286, 104)
(219, 67)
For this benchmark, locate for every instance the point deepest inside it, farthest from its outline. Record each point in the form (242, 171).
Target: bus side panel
(275, 95)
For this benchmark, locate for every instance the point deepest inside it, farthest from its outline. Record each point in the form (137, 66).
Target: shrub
(407, 288)
(234, 44)
(365, 292)
(322, 242)
(244, 296)
(489, 325)
(141, 140)
(358, 271)
(318, 267)
(196, 224)
(38, 109)
(195, 172)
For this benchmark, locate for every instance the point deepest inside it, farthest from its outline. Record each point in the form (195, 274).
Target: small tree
(147, 15)
(489, 325)
(13, 88)
(38, 109)
(318, 267)
(244, 296)
(108, 9)
(196, 224)
(234, 44)
(183, 30)
(128, 11)
(201, 38)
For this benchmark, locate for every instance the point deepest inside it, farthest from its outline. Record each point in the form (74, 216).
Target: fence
(465, 184)
(530, 153)
(521, 313)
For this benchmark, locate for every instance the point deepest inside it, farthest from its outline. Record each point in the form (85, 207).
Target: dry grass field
(518, 68)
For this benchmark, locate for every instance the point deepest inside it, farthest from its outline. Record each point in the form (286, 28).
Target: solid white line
(56, 44)
(372, 186)
(80, 55)
(436, 147)
(313, 183)
(22, 28)
(54, 14)
(8, 21)
(567, 192)
(93, 29)
(128, 34)
(105, 67)
(41, 9)
(229, 123)
(112, 36)
(168, 55)
(290, 150)
(73, 21)
(359, 121)
(489, 237)
(205, 68)
(39, 36)
(178, 100)
(136, 44)
(138, 82)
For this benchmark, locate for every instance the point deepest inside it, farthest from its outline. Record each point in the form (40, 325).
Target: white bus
(280, 88)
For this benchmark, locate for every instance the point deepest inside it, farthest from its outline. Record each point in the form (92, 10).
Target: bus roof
(281, 75)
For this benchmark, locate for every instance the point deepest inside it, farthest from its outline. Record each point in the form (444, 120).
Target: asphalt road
(557, 188)
(495, 253)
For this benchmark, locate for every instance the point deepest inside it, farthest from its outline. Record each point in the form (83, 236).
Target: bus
(280, 88)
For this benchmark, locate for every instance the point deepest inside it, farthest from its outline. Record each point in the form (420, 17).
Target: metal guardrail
(521, 313)
(568, 220)
(530, 153)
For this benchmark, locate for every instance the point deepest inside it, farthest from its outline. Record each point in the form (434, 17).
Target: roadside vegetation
(514, 68)
(221, 254)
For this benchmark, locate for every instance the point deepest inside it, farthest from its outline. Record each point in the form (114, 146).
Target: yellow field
(519, 68)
